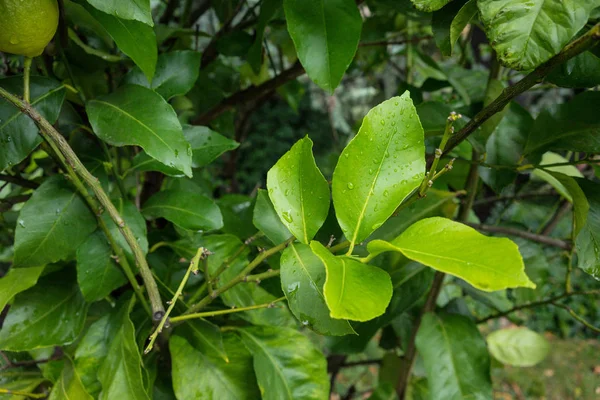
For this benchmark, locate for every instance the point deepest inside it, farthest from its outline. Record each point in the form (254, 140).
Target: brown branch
(574, 48)
(563, 210)
(8, 203)
(250, 94)
(534, 237)
(392, 42)
(17, 180)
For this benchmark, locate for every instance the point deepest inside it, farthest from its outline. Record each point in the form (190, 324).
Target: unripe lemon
(26, 26)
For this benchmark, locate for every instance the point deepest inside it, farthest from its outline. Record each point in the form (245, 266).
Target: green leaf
(97, 272)
(298, 191)
(455, 357)
(69, 385)
(580, 71)
(573, 126)
(18, 133)
(268, 8)
(136, 116)
(16, 281)
(143, 162)
(91, 351)
(302, 279)
(197, 375)
(488, 263)
(136, 222)
(552, 175)
(207, 145)
(390, 152)
(138, 10)
(287, 365)
(266, 220)
(587, 243)
(353, 290)
(52, 313)
(519, 347)
(493, 90)
(135, 39)
(52, 224)
(205, 337)
(518, 30)
(326, 35)
(430, 5)
(449, 22)
(187, 210)
(121, 371)
(176, 73)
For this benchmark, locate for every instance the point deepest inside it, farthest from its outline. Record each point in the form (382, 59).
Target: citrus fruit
(26, 26)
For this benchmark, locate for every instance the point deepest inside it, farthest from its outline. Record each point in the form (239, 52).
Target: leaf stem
(26, 73)
(51, 135)
(19, 393)
(223, 312)
(201, 254)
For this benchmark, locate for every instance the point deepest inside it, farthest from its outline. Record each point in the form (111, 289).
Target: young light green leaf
(206, 144)
(17, 280)
(137, 116)
(380, 167)
(197, 375)
(287, 365)
(51, 313)
(134, 38)
(488, 263)
(353, 290)
(553, 175)
(138, 10)
(449, 22)
(176, 73)
(518, 30)
(326, 35)
(266, 220)
(53, 223)
(455, 357)
(518, 347)
(572, 126)
(69, 385)
(97, 272)
(587, 243)
(187, 210)
(302, 279)
(430, 5)
(298, 191)
(121, 371)
(18, 133)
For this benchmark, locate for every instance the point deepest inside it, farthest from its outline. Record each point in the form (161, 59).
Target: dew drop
(287, 216)
(22, 223)
(350, 185)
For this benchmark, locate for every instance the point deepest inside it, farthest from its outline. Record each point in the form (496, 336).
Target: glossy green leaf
(390, 152)
(138, 10)
(91, 351)
(69, 385)
(17, 280)
(121, 371)
(198, 376)
(51, 313)
(137, 116)
(18, 133)
(302, 279)
(552, 174)
(143, 162)
(488, 263)
(519, 30)
(572, 126)
(353, 290)
(493, 90)
(518, 347)
(430, 5)
(134, 38)
(579, 72)
(266, 220)
(268, 8)
(326, 35)
(455, 357)
(587, 243)
(287, 365)
(97, 272)
(176, 73)
(52, 224)
(187, 210)
(205, 337)
(449, 22)
(298, 191)
(207, 145)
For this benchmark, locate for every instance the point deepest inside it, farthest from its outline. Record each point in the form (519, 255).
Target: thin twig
(208, 314)
(577, 316)
(20, 393)
(17, 180)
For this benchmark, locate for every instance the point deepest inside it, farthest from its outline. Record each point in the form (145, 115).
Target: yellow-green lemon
(26, 26)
